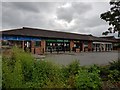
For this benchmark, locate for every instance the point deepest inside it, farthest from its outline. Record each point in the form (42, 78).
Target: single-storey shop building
(39, 41)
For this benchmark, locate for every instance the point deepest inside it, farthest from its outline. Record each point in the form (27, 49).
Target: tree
(112, 17)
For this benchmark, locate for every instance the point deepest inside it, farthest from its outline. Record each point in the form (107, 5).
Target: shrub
(20, 71)
(114, 71)
(69, 73)
(88, 79)
(47, 75)
(73, 67)
(12, 79)
(115, 65)
(104, 72)
(17, 68)
(114, 75)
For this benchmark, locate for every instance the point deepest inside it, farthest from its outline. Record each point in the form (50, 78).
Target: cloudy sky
(76, 17)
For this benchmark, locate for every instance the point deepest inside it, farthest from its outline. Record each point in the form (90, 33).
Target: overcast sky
(75, 17)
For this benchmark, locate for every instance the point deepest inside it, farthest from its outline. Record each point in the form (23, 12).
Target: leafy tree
(112, 17)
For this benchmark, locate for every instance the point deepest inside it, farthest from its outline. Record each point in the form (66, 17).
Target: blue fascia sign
(20, 38)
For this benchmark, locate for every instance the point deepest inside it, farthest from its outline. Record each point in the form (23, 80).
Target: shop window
(85, 43)
(48, 44)
(37, 43)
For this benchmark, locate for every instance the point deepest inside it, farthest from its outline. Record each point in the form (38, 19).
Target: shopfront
(53, 45)
(24, 42)
(102, 46)
(39, 41)
(78, 46)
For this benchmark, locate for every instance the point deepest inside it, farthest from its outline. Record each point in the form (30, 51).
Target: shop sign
(66, 40)
(58, 40)
(50, 40)
(19, 38)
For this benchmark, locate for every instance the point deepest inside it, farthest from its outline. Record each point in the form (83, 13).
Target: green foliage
(88, 79)
(6, 76)
(0, 71)
(12, 79)
(112, 17)
(16, 68)
(69, 72)
(114, 75)
(47, 75)
(114, 71)
(17, 76)
(110, 72)
(71, 69)
(27, 62)
(115, 65)
(20, 70)
(104, 72)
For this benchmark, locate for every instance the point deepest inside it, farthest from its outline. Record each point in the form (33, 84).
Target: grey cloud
(65, 14)
(27, 6)
(69, 13)
(81, 8)
(34, 7)
(49, 16)
(94, 21)
(97, 31)
(17, 14)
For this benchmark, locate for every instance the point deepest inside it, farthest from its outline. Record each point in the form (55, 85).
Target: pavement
(85, 58)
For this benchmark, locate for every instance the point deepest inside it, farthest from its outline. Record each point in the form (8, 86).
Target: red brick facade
(89, 46)
(43, 44)
(23, 45)
(32, 47)
(71, 45)
(37, 50)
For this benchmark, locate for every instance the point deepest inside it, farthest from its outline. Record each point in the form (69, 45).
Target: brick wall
(43, 44)
(89, 45)
(37, 50)
(71, 44)
(32, 47)
(23, 45)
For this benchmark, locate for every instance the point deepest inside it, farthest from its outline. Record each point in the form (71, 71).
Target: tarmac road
(85, 58)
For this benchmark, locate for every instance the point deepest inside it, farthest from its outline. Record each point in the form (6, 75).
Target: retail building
(39, 41)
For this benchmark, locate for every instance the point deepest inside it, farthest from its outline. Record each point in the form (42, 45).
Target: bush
(69, 73)
(104, 72)
(115, 65)
(17, 68)
(12, 79)
(20, 70)
(114, 75)
(47, 74)
(88, 79)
